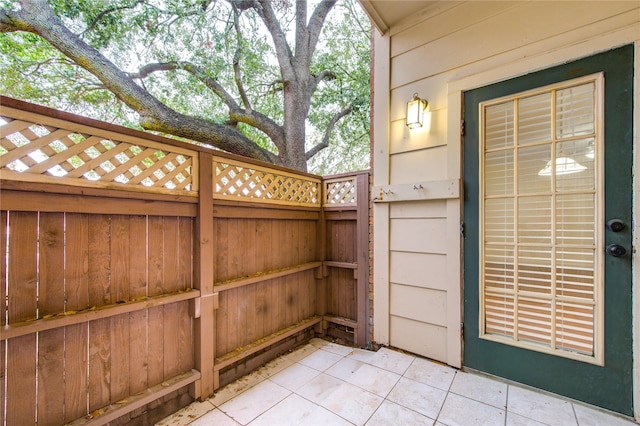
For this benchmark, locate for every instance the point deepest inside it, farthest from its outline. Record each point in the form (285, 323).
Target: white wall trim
(381, 101)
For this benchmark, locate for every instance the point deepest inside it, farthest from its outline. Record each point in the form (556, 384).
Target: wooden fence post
(204, 312)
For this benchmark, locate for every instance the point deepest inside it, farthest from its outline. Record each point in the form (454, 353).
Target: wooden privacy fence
(138, 272)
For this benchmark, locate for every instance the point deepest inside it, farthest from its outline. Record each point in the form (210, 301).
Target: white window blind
(541, 261)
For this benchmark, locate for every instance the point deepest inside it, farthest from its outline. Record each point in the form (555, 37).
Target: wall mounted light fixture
(415, 112)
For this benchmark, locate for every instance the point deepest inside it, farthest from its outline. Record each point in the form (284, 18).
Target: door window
(541, 269)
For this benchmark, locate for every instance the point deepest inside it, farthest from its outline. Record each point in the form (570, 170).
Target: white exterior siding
(449, 48)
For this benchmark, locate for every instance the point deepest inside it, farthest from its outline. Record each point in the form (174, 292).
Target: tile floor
(327, 384)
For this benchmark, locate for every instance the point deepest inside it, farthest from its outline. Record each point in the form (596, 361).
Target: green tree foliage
(213, 60)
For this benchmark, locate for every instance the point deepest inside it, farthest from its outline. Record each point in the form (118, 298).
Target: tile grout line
(506, 405)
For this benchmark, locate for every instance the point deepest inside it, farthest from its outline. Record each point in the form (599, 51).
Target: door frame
(614, 338)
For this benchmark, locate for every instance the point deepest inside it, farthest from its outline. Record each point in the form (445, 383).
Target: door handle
(616, 225)
(616, 250)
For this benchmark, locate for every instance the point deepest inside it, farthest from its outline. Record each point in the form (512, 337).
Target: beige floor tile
(390, 413)
(235, 388)
(294, 411)
(514, 419)
(255, 401)
(338, 349)
(275, 366)
(422, 398)
(344, 368)
(431, 373)
(588, 416)
(361, 355)
(460, 411)
(319, 388)
(374, 379)
(320, 360)
(215, 417)
(294, 376)
(391, 360)
(352, 403)
(480, 388)
(541, 407)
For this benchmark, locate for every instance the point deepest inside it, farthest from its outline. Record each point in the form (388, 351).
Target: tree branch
(106, 12)
(237, 74)
(236, 113)
(37, 17)
(327, 134)
(317, 21)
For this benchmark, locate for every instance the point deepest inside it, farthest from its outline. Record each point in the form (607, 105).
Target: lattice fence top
(38, 148)
(340, 191)
(244, 182)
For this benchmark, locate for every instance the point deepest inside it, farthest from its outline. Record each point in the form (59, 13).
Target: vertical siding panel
(22, 304)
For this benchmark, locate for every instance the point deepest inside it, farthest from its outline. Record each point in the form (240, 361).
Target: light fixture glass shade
(415, 112)
(564, 166)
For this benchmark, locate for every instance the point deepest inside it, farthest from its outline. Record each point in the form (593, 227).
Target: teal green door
(547, 288)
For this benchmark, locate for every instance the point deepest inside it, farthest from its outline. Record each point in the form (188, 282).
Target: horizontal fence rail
(138, 272)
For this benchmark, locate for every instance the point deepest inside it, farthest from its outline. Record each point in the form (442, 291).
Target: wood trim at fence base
(245, 351)
(346, 322)
(63, 320)
(131, 403)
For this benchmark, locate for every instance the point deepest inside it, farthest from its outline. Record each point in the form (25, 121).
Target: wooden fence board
(120, 239)
(155, 371)
(77, 262)
(99, 267)
(51, 287)
(138, 352)
(155, 256)
(99, 363)
(171, 347)
(23, 245)
(21, 380)
(75, 375)
(51, 377)
(185, 341)
(120, 338)
(185, 248)
(137, 257)
(171, 255)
